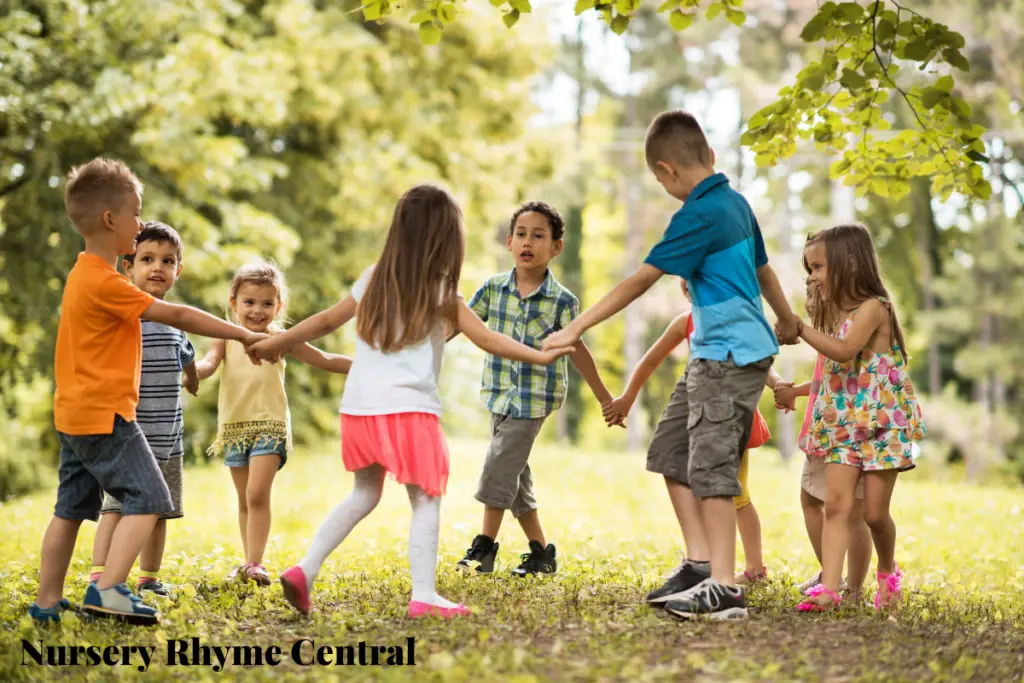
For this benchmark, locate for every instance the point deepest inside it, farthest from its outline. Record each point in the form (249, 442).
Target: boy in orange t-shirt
(97, 369)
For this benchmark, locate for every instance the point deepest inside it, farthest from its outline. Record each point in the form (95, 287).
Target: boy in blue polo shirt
(714, 243)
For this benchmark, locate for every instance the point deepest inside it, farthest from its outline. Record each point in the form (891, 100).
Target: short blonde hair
(676, 137)
(98, 186)
(261, 274)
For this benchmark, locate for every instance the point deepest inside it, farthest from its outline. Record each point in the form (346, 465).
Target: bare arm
(584, 362)
(198, 322)
(772, 292)
(672, 337)
(614, 301)
(191, 382)
(331, 362)
(313, 327)
(870, 316)
(499, 345)
(211, 361)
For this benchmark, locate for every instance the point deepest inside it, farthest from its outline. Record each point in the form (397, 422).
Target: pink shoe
(812, 605)
(894, 589)
(425, 609)
(296, 588)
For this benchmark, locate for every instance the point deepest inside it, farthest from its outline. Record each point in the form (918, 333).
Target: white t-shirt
(388, 383)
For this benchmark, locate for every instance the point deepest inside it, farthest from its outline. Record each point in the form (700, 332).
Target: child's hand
(191, 383)
(566, 337)
(785, 396)
(549, 356)
(263, 349)
(788, 330)
(615, 412)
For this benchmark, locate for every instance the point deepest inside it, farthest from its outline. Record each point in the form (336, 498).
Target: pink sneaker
(425, 609)
(296, 588)
(893, 589)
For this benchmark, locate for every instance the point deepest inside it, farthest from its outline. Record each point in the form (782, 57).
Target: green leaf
(680, 21)
(521, 6)
(666, 6)
(497, 3)
(714, 10)
(371, 12)
(852, 80)
(945, 84)
(850, 11)
(583, 5)
(619, 24)
(960, 107)
(955, 59)
(735, 16)
(853, 30)
(813, 31)
(765, 159)
(983, 189)
(422, 17)
(511, 18)
(446, 12)
(885, 31)
(839, 168)
(429, 34)
(977, 156)
(930, 97)
(814, 80)
(918, 49)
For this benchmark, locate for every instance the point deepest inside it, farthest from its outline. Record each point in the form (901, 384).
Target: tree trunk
(925, 249)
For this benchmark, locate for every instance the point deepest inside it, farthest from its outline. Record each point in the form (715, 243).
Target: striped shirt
(165, 351)
(520, 389)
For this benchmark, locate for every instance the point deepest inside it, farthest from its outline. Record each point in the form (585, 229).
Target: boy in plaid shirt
(527, 304)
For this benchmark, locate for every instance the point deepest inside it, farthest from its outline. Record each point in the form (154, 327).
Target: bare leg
(240, 478)
(104, 535)
(262, 470)
(749, 525)
(530, 523)
(492, 521)
(720, 526)
(858, 557)
(841, 481)
(153, 552)
(129, 537)
(691, 521)
(814, 520)
(58, 547)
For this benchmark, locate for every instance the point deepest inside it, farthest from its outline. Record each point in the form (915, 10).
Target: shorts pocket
(696, 414)
(719, 410)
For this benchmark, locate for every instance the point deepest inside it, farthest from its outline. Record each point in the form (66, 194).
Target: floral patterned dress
(866, 414)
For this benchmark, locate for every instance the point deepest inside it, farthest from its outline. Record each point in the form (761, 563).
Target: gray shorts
(171, 469)
(121, 463)
(703, 432)
(506, 481)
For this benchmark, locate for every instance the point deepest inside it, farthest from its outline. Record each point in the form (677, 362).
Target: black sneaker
(687, 576)
(154, 588)
(711, 600)
(539, 560)
(480, 556)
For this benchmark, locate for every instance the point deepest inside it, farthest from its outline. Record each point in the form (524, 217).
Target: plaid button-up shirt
(520, 389)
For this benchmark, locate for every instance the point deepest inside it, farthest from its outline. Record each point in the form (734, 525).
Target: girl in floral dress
(866, 416)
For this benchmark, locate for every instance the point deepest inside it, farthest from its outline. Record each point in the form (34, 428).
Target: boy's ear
(181, 266)
(508, 241)
(127, 266)
(107, 220)
(712, 155)
(556, 248)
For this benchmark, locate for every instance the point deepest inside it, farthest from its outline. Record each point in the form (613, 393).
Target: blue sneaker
(118, 602)
(45, 615)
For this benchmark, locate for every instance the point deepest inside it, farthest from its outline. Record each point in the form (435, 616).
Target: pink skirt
(409, 446)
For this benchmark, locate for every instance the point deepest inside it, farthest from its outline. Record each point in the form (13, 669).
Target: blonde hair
(261, 274)
(416, 280)
(98, 186)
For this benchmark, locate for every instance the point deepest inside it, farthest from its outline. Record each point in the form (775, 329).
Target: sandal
(813, 605)
(893, 587)
(258, 573)
(748, 578)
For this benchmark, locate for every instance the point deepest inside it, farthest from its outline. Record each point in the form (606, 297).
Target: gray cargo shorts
(703, 432)
(505, 481)
(171, 469)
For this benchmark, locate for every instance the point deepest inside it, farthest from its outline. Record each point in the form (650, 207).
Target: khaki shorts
(506, 481)
(813, 478)
(706, 426)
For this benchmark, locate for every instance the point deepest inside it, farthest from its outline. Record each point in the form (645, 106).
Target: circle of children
(121, 350)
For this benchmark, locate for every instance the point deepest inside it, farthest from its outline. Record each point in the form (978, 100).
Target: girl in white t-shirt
(405, 307)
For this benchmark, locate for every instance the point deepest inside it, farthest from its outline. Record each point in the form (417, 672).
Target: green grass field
(961, 546)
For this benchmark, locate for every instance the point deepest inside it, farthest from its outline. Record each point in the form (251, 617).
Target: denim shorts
(120, 463)
(239, 457)
(171, 469)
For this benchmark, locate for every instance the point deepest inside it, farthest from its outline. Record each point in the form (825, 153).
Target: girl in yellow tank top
(253, 421)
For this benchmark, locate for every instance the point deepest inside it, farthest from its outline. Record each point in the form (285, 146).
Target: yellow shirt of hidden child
(252, 404)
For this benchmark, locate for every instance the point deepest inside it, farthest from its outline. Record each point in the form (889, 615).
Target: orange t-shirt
(99, 348)
(759, 433)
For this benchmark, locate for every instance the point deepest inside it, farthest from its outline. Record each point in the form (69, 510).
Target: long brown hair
(854, 276)
(416, 280)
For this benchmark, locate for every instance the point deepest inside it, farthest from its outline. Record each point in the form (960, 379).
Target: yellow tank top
(252, 404)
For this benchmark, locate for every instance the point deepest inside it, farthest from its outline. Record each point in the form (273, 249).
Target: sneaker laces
(683, 564)
(476, 551)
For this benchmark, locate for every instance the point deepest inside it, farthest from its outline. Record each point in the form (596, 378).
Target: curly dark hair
(155, 231)
(546, 210)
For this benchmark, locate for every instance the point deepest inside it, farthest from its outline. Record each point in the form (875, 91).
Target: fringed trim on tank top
(245, 435)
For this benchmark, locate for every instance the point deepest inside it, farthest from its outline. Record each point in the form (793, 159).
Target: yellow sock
(146, 577)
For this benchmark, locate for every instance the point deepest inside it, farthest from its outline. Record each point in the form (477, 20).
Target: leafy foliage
(616, 537)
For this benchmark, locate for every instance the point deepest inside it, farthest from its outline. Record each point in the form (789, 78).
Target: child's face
(125, 222)
(256, 306)
(531, 242)
(156, 267)
(686, 289)
(817, 262)
(810, 301)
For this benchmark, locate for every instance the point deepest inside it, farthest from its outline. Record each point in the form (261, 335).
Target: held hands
(562, 338)
(785, 396)
(191, 383)
(550, 355)
(616, 411)
(788, 330)
(261, 347)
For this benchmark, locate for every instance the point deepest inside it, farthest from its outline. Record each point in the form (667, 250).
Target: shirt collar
(547, 287)
(705, 185)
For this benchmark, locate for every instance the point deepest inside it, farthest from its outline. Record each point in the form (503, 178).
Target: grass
(961, 546)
